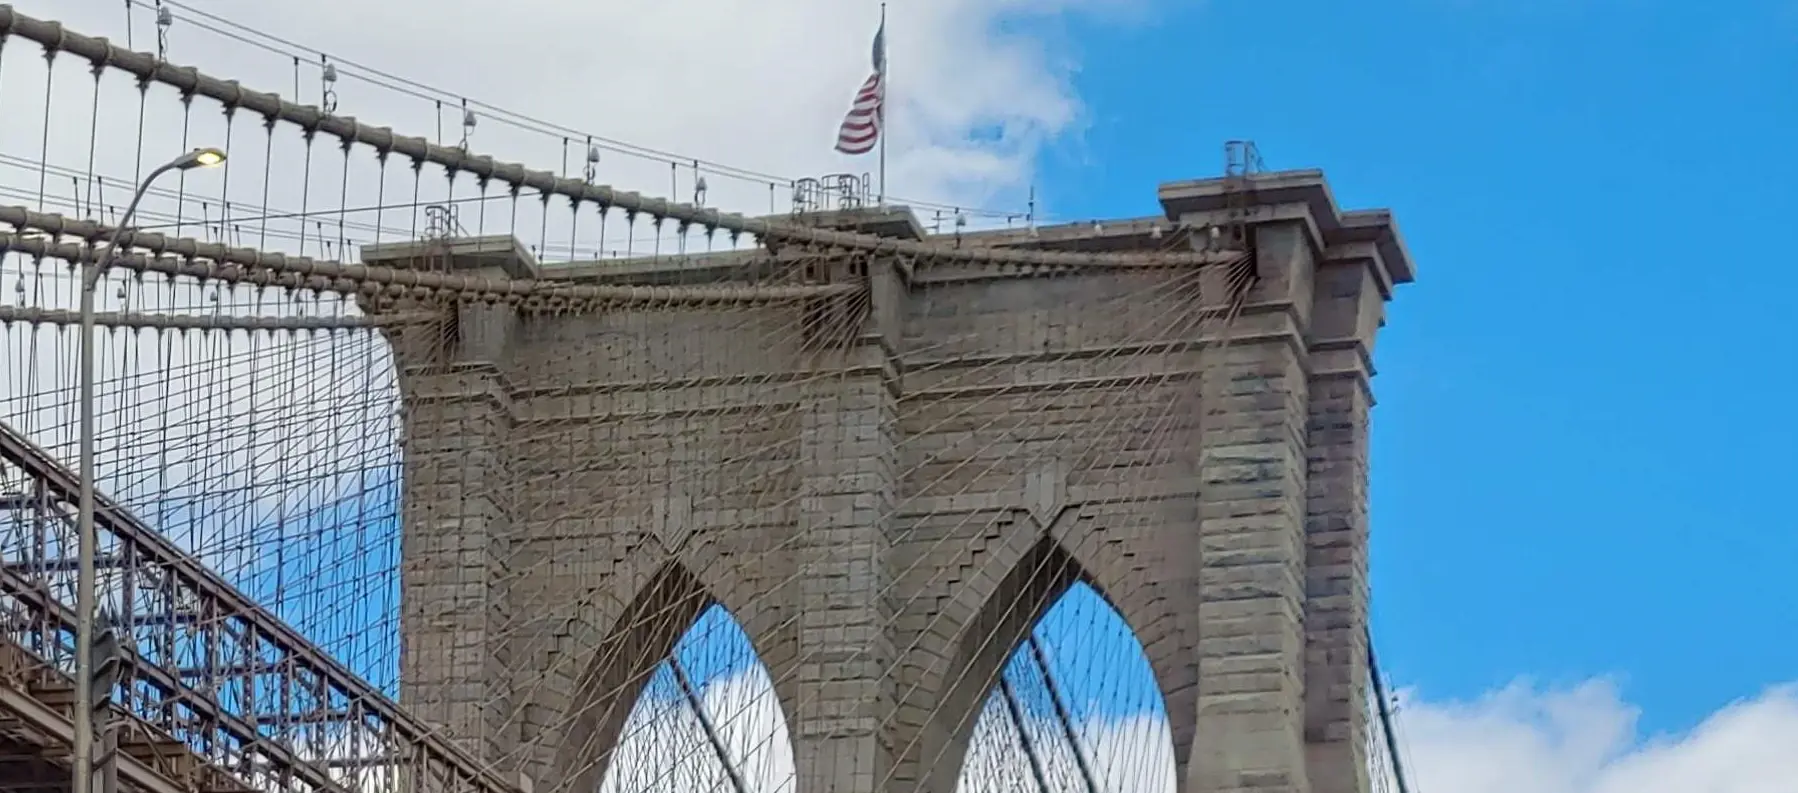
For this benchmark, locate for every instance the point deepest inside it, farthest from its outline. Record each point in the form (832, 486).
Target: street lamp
(86, 586)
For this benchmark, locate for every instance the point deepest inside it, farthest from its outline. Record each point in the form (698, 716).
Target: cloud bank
(1576, 739)
(977, 88)
(762, 85)
(207, 435)
(1585, 739)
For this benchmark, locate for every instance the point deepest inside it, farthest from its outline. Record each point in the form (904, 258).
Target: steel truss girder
(306, 680)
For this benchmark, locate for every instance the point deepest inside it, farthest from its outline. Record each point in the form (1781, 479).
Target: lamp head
(200, 158)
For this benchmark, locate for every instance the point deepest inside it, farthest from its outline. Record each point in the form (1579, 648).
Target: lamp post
(86, 585)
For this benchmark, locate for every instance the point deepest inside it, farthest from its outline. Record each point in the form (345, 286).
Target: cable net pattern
(581, 500)
(246, 532)
(424, 471)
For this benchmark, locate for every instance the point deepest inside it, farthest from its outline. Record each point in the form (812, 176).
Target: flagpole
(882, 200)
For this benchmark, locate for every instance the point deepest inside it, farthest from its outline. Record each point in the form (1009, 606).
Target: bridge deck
(253, 651)
(37, 729)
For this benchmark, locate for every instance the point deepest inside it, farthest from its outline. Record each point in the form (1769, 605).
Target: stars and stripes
(861, 126)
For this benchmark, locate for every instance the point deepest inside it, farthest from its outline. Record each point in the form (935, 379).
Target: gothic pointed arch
(1076, 701)
(675, 675)
(1036, 578)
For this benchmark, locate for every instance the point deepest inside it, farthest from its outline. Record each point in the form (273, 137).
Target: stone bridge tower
(580, 484)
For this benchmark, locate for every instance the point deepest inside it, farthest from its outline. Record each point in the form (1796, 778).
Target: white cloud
(663, 746)
(1585, 739)
(664, 749)
(753, 85)
(1576, 739)
(757, 85)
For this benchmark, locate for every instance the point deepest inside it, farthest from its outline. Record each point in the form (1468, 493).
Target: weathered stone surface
(887, 490)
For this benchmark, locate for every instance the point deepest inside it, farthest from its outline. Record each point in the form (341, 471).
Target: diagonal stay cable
(191, 81)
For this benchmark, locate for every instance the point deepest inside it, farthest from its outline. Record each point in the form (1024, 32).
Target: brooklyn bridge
(338, 459)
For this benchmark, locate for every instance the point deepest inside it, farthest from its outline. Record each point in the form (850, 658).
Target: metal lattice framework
(206, 654)
(273, 414)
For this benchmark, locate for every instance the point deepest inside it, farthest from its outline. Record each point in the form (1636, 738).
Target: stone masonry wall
(1047, 423)
(887, 490)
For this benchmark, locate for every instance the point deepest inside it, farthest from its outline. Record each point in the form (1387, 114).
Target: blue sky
(1582, 440)
(1577, 451)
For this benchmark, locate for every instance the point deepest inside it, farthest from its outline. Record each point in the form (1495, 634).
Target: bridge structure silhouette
(421, 470)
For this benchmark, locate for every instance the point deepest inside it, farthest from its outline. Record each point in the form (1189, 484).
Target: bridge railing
(209, 665)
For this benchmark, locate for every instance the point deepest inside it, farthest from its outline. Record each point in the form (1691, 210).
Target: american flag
(861, 127)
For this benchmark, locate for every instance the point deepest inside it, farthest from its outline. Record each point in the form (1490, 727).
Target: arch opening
(1075, 708)
(706, 718)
